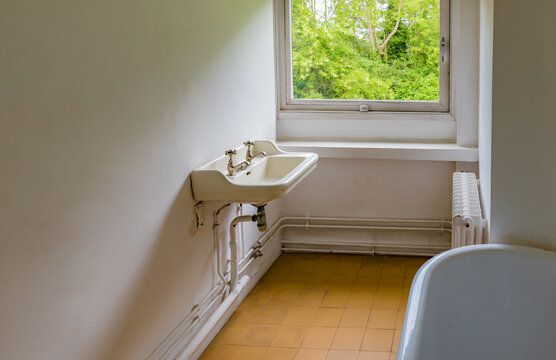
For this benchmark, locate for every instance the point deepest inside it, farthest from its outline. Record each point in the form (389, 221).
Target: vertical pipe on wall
(233, 249)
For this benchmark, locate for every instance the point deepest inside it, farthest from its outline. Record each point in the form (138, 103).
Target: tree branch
(370, 28)
(385, 43)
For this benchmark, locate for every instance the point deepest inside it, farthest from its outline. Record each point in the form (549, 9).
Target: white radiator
(467, 219)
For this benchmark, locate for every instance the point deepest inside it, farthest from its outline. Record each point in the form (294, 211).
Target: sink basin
(267, 178)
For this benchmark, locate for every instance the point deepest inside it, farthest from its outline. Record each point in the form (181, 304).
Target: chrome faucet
(233, 168)
(249, 155)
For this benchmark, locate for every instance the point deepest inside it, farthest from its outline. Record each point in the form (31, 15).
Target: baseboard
(190, 344)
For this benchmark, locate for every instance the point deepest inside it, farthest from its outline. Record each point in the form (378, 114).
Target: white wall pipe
(248, 259)
(300, 218)
(215, 227)
(364, 246)
(216, 321)
(217, 248)
(210, 305)
(212, 294)
(186, 326)
(235, 289)
(363, 227)
(273, 230)
(233, 249)
(244, 267)
(199, 311)
(360, 252)
(237, 286)
(282, 223)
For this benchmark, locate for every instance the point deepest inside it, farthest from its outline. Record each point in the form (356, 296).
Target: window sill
(366, 127)
(387, 151)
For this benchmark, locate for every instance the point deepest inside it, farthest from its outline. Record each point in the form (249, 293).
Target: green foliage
(333, 56)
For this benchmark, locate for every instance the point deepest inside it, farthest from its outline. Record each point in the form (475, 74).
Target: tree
(365, 49)
(371, 20)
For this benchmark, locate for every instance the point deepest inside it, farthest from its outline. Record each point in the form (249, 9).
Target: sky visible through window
(366, 49)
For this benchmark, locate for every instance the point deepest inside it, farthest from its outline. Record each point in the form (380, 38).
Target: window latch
(443, 48)
(364, 108)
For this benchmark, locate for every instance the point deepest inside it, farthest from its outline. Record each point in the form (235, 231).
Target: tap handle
(230, 152)
(249, 144)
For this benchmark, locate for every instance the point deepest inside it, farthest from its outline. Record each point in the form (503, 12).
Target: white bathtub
(483, 302)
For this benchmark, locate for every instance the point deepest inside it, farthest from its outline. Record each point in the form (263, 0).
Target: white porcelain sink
(267, 178)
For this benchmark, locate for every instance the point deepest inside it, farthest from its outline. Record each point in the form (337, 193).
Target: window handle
(443, 48)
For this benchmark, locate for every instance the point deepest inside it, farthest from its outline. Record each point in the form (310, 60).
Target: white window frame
(288, 102)
(457, 126)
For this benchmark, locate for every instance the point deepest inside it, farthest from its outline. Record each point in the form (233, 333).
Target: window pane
(365, 49)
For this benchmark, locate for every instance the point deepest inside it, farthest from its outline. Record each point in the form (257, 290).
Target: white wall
(105, 108)
(485, 103)
(397, 189)
(465, 69)
(382, 189)
(523, 123)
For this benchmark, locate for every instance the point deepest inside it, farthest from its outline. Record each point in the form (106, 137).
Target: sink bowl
(267, 178)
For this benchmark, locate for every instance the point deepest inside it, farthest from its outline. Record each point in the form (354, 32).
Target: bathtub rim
(410, 339)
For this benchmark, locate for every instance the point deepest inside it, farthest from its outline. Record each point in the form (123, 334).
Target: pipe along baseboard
(194, 333)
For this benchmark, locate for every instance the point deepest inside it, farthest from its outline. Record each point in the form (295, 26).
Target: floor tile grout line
(383, 286)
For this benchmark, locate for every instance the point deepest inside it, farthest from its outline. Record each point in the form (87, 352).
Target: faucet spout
(233, 168)
(260, 153)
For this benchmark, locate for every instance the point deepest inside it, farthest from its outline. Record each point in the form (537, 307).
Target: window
(364, 55)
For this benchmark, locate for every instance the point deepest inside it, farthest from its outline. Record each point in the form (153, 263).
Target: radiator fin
(467, 219)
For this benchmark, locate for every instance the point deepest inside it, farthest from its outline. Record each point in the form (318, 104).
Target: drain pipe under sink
(233, 250)
(217, 320)
(260, 218)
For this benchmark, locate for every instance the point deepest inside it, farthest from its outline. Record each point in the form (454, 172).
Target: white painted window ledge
(382, 150)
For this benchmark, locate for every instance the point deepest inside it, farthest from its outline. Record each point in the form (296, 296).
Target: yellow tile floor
(321, 307)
